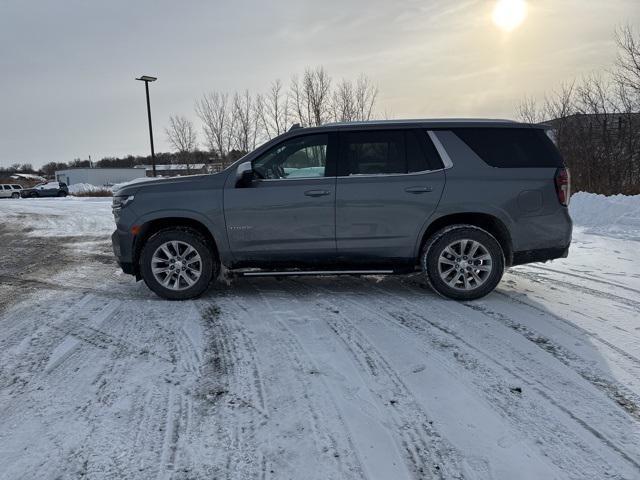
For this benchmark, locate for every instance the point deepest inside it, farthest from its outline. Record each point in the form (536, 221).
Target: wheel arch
(486, 221)
(151, 227)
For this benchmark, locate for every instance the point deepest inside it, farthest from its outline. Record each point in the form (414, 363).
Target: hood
(173, 184)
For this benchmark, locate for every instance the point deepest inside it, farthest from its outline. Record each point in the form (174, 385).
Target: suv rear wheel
(463, 262)
(177, 264)
(15, 195)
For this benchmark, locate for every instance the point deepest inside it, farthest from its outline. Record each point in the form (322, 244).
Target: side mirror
(244, 175)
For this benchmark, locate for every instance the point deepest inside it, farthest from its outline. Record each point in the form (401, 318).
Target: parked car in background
(10, 190)
(50, 189)
(459, 200)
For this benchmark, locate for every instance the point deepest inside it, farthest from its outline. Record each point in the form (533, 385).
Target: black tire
(210, 264)
(62, 194)
(15, 195)
(437, 244)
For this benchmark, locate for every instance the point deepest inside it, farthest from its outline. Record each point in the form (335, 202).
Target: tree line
(596, 122)
(239, 121)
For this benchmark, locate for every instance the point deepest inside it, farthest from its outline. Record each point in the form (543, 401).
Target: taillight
(563, 185)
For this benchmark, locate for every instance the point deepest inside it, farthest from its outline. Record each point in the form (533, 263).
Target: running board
(296, 273)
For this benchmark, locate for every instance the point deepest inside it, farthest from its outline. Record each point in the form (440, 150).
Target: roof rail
(295, 126)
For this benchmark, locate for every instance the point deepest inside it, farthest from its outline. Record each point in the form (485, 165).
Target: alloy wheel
(465, 264)
(176, 265)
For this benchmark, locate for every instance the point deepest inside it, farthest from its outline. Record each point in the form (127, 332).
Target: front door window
(300, 157)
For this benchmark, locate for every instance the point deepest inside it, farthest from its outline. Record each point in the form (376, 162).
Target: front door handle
(316, 193)
(418, 189)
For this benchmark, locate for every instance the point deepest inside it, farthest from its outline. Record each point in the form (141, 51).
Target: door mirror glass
(244, 175)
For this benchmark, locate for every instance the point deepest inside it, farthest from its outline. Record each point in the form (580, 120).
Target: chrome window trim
(289, 179)
(377, 175)
(444, 156)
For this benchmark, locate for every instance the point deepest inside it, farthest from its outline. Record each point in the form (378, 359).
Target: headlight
(121, 201)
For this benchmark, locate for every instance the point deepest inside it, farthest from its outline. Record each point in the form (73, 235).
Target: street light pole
(146, 79)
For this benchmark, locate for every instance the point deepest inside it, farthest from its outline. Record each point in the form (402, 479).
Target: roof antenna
(295, 126)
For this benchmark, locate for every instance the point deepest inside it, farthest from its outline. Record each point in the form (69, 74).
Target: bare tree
(214, 112)
(343, 102)
(560, 103)
(354, 101)
(596, 122)
(366, 94)
(317, 85)
(297, 101)
(627, 71)
(246, 124)
(239, 121)
(273, 110)
(311, 96)
(181, 135)
(529, 111)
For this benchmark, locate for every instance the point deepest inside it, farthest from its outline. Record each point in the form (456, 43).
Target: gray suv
(459, 200)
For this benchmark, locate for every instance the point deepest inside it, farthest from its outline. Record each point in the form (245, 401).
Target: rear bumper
(539, 255)
(544, 233)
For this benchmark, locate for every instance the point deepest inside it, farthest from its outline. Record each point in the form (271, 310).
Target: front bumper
(122, 243)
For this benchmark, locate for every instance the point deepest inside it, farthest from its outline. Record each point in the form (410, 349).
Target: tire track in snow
(528, 378)
(329, 447)
(427, 453)
(118, 352)
(620, 394)
(591, 334)
(27, 359)
(230, 402)
(539, 277)
(584, 277)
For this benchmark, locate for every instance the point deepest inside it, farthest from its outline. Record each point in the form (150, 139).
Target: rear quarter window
(511, 147)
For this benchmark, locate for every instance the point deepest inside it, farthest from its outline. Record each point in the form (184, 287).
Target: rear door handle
(316, 193)
(418, 189)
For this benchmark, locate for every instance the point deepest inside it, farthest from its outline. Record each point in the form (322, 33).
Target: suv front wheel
(177, 264)
(463, 262)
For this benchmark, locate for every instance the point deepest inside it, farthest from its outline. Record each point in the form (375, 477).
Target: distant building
(100, 177)
(596, 125)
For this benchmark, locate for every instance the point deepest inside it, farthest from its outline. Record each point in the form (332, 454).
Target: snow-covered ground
(315, 378)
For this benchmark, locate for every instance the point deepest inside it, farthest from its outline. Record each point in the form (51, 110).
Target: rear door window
(421, 154)
(7, 187)
(511, 147)
(385, 152)
(373, 152)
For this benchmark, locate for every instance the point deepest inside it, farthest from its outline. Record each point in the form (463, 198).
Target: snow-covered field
(315, 378)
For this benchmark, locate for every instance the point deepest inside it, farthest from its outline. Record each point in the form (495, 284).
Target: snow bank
(60, 217)
(85, 188)
(617, 215)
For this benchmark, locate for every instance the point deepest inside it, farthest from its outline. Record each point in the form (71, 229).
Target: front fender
(212, 221)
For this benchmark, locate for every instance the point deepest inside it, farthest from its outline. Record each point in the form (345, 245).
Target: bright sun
(509, 14)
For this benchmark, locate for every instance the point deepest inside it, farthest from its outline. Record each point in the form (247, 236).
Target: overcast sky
(67, 67)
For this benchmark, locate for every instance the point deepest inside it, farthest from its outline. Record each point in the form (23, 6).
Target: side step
(313, 273)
